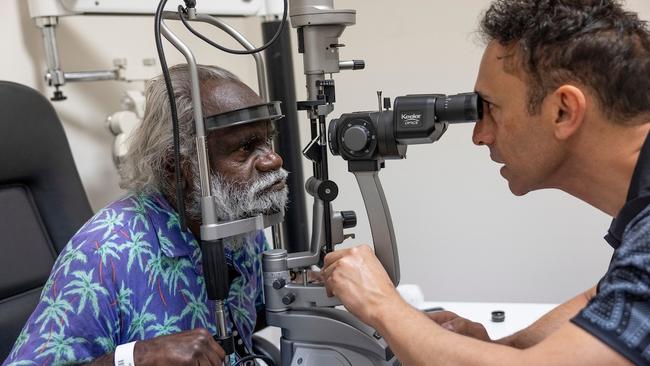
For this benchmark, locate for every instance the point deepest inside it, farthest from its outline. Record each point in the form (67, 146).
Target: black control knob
(356, 138)
(289, 298)
(349, 219)
(279, 283)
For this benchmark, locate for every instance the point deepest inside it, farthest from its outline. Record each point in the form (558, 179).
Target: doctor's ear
(569, 108)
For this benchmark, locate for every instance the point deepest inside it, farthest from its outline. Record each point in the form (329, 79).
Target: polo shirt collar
(638, 197)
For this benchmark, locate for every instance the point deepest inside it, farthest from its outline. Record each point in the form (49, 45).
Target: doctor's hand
(359, 280)
(457, 324)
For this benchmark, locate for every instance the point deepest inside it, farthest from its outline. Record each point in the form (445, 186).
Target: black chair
(42, 203)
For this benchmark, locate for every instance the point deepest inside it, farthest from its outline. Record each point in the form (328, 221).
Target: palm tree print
(137, 248)
(177, 273)
(165, 244)
(153, 288)
(60, 346)
(69, 256)
(123, 303)
(173, 222)
(140, 319)
(236, 290)
(123, 299)
(87, 289)
(196, 307)
(158, 268)
(139, 209)
(109, 248)
(168, 326)
(107, 343)
(55, 311)
(109, 222)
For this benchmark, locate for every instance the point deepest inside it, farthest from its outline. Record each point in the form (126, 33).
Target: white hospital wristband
(124, 354)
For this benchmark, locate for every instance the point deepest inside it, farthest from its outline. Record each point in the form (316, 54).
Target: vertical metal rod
(327, 214)
(305, 281)
(51, 53)
(314, 133)
(294, 234)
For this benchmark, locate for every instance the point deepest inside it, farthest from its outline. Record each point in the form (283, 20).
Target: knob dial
(288, 298)
(356, 138)
(279, 283)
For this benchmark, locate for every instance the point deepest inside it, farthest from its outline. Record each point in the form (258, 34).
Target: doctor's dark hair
(593, 43)
(148, 165)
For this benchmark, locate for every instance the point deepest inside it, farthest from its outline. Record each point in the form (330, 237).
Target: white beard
(234, 201)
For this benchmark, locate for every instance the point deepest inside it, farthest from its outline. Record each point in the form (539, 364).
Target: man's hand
(455, 323)
(192, 347)
(358, 279)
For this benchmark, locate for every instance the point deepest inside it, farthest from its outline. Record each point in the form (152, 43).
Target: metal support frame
(282, 88)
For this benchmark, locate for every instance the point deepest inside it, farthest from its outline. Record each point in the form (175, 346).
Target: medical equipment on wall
(275, 81)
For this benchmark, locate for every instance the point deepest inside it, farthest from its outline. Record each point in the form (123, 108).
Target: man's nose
(269, 161)
(482, 134)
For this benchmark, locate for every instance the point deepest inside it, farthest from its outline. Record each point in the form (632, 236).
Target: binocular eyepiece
(415, 119)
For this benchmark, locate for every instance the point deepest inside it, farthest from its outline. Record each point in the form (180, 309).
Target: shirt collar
(638, 197)
(166, 221)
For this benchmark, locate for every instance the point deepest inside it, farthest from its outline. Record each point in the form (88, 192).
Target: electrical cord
(180, 205)
(254, 357)
(181, 11)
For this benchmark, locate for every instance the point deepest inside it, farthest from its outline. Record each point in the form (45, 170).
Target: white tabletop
(517, 315)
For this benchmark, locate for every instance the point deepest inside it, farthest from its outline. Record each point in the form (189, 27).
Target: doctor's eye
(487, 105)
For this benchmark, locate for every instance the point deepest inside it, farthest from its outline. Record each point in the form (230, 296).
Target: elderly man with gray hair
(132, 274)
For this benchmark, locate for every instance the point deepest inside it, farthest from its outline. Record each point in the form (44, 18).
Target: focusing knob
(279, 283)
(349, 219)
(289, 298)
(327, 191)
(356, 138)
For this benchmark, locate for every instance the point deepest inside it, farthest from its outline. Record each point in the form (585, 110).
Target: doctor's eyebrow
(484, 96)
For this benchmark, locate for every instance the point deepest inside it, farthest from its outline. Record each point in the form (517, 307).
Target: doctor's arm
(524, 338)
(358, 279)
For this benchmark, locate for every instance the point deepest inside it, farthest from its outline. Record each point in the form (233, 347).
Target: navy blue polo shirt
(619, 315)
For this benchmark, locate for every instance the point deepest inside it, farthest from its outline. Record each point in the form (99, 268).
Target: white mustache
(267, 181)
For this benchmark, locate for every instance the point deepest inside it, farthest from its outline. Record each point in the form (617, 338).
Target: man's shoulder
(130, 212)
(113, 227)
(640, 224)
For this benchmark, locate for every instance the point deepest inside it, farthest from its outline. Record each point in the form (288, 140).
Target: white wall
(461, 233)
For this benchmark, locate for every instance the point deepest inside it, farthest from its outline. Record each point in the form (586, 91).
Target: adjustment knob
(289, 298)
(279, 283)
(349, 219)
(356, 138)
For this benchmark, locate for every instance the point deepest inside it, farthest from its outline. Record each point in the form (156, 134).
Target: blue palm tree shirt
(129, 274)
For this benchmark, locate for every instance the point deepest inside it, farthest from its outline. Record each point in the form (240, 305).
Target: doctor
(567, 106)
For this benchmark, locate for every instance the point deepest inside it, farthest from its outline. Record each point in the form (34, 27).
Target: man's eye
(247, 147)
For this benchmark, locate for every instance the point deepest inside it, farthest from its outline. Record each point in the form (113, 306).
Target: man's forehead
(226, 95)
(243, 131)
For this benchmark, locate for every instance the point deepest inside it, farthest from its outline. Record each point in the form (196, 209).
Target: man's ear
(186, 173)
(570, 109)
